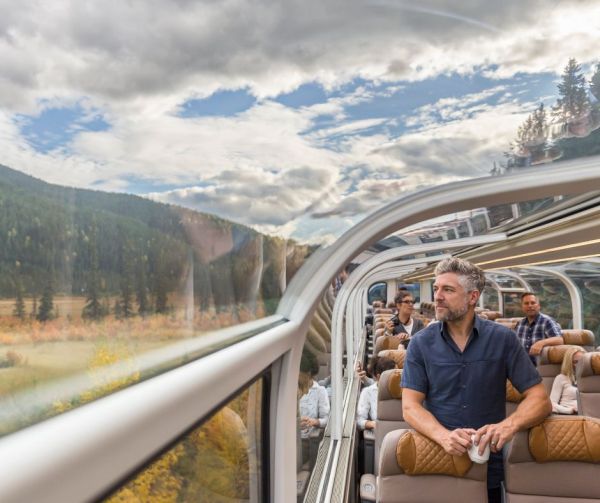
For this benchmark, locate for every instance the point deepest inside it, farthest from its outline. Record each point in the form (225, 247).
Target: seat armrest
(368, 488)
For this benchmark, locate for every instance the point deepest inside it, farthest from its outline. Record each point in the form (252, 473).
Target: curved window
(378, 291)
(220, 461)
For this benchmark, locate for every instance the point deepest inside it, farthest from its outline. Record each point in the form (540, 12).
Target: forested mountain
(82, 242)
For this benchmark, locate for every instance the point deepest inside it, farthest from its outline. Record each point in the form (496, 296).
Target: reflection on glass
(92, 278)
(490, 298)
(554, 298)
(314, 390)
(219, 462)
(512, 305)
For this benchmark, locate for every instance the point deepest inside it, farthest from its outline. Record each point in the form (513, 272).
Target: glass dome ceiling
(295, 121)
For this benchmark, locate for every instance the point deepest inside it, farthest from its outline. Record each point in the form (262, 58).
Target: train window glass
(553, 296)
(413, 288)
(222, 460)
(512, 304)
(378, 291)
(91, 279)
(490, 298)
(585, 275)
(505, 281)
(314, 392)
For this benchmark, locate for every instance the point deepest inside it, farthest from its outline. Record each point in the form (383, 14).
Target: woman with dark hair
(313, 400)
(403, 324)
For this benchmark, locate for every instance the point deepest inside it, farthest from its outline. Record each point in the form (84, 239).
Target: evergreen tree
(45, 312)
(595, 83)
(93, 310)
(142, 287)
(160, 288)
(19, 309)
(34, 306)
(573, 103)
(125, 301)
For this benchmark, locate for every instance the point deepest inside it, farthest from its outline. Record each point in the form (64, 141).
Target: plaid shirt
(543, 327)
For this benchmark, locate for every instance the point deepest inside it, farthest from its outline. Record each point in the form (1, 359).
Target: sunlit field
(34, 354)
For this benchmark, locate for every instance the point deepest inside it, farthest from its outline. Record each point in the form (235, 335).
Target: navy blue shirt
(467, 389)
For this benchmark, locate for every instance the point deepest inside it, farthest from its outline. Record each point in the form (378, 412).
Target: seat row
(390, 482)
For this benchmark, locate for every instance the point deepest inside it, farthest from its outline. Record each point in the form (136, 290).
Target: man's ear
(474, 297)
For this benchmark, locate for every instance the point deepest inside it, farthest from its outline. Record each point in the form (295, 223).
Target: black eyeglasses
(407, 302)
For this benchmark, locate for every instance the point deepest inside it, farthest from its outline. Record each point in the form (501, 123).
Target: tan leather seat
(414, 469)
(513, 398)
(549, 363)
(386, 342)
(508, 322)
(389, 406)
(583, 338)
(557, 461)
(588, 385)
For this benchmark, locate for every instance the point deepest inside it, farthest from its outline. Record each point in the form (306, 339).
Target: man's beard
(452, 314)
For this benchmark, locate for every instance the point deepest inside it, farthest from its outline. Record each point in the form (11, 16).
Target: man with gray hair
(455, 372)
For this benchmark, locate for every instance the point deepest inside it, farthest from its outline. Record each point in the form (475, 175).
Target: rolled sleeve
(414, 375)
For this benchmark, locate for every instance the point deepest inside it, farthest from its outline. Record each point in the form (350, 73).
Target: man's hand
(456, 442)
(370, 425)
(495, 434)
(389, 326)
(306, 422)
(536, 348)
(403, 336)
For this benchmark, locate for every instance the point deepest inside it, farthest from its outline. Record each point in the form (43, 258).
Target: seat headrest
(383, 310)
(389, 387)
(492, 315)
(387, 342)
(566, 439)
(553, 354)
(418, 455)
(512, 395)
(590, 364)
(397, 355)
(578, 337)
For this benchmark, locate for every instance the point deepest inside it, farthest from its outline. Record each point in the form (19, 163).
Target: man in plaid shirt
(536, 330)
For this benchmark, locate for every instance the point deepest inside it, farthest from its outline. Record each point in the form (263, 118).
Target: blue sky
(297, 122)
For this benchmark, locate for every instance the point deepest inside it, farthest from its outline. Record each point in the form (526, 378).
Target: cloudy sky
(295, 117)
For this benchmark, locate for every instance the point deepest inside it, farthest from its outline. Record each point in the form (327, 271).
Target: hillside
(73, 241)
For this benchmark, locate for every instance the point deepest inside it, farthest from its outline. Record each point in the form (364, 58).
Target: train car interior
(211, 213)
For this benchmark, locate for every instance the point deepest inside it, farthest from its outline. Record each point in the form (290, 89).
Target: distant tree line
(133, 251)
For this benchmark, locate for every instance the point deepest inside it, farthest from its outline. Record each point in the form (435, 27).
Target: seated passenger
(536, 330)
(366, 412)
(403, 324)
(313, 400)
(564, 391)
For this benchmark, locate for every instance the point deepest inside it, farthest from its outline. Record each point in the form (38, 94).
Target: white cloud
(138, 61)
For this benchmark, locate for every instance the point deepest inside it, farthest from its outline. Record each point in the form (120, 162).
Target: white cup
(474, 452)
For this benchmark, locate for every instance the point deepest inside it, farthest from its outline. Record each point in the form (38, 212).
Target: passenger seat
(389, 417)
(513, 398)
(414, 469)
(583, 338)
(557, 461)
(588, 385)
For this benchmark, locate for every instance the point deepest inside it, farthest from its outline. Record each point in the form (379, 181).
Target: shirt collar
(476, 328)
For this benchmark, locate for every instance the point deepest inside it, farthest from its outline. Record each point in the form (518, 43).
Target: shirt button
(464, 406)
(463, 386)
